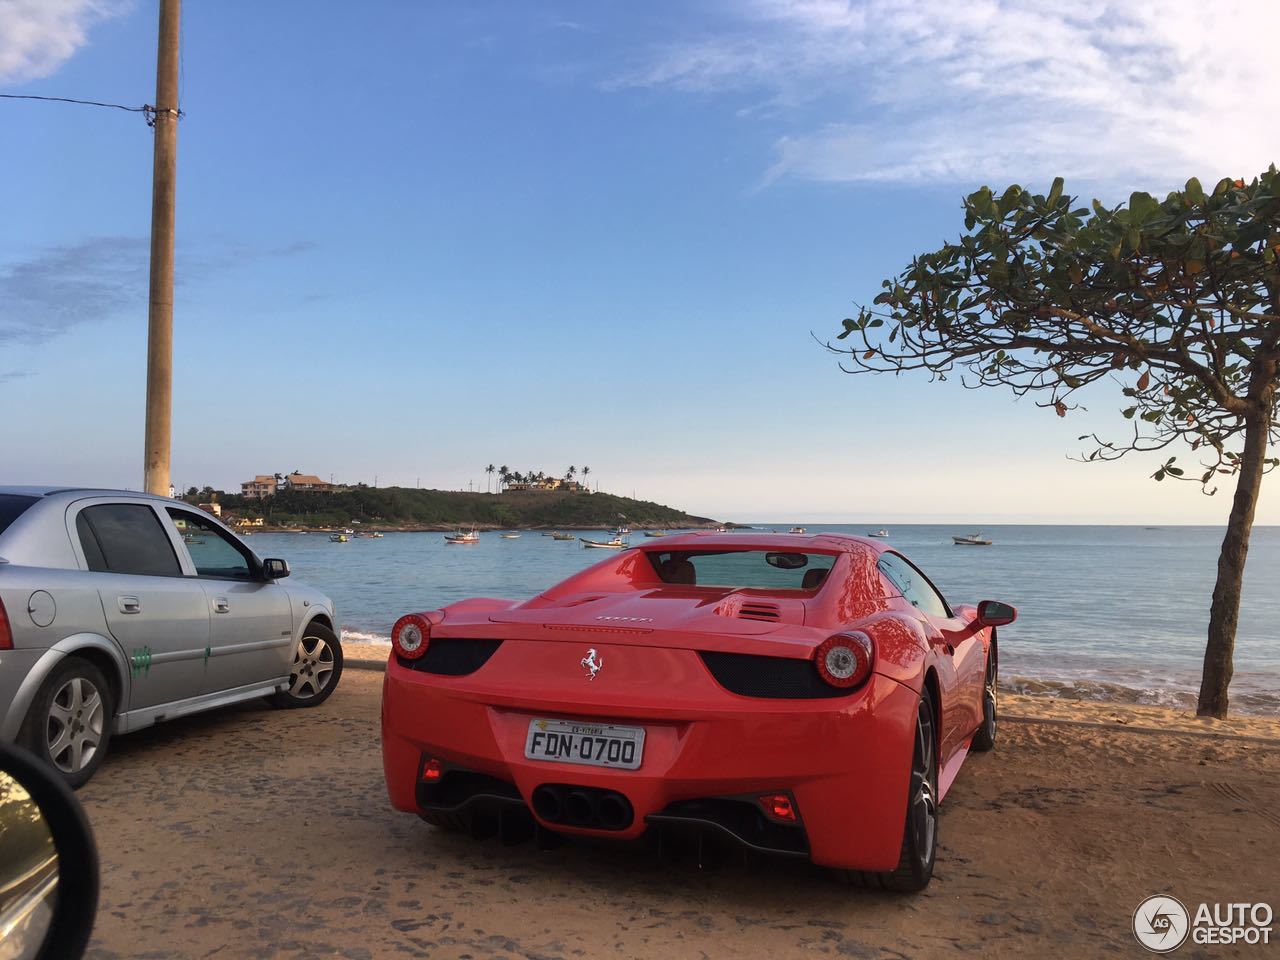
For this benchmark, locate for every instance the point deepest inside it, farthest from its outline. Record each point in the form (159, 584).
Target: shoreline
(1022, 697)
(488, 528)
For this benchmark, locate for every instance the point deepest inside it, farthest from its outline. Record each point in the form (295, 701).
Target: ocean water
(1104, 612)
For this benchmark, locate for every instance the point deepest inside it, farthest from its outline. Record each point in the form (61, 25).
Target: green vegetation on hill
(403, 506)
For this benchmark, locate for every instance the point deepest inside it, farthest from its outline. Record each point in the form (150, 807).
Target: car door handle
(129, 604)
(220, 605)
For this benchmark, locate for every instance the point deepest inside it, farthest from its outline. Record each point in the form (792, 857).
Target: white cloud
(38, 36)
(960, 90)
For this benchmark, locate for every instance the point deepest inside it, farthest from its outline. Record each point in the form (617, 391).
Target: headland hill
(410, 509)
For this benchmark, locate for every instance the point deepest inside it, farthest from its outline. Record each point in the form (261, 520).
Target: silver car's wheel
(68, 724)
(317, 665)
(312, 668)
(75, 723)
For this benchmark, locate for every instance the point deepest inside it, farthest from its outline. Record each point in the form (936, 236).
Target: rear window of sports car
(743, 569)
(12, 506)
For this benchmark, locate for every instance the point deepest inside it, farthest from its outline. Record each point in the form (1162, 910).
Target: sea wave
(360, 636)
(1251, 702)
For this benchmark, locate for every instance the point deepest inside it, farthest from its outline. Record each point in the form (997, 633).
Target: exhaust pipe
(613, 811)
(548, 803)
(578, 808)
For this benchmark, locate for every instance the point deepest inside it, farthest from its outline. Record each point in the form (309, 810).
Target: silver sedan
(119, 610)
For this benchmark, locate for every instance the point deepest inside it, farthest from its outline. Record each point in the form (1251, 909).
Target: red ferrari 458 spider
(812, 696)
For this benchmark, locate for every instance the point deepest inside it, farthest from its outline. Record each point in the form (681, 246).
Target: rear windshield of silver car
(743, 569)
(12, 506)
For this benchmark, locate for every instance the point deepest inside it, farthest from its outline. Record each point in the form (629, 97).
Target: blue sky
(437, 235)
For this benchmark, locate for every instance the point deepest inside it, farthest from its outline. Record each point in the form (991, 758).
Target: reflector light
(431, 771)
(845, 659)
(6, 633)
(779, 806)
(411, 635)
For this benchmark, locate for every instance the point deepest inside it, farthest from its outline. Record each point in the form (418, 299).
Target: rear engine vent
(759, 610)
(775, 678)
(453, 657)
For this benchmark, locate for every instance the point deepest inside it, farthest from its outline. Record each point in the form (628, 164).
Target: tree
(586, 472)
(504, 476)
(1178, 301)
(568, 474)
(489, 479)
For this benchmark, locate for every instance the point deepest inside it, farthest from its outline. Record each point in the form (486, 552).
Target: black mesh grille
(778, 678)
(453, 657)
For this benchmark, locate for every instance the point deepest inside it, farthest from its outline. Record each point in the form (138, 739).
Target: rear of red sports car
(642, 694)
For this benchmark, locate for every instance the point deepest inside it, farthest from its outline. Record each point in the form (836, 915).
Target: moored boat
(563, 536)
(509, 536)
(655, 533)
(881, 533)
(462, 538)
(338, 538)
(797, 530)
(617, 543)
(972, 540)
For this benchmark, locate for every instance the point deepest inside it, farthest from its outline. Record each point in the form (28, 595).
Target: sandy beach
(251, 832)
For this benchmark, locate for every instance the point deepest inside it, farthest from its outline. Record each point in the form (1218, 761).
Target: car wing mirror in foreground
(275, 569)
(993, 613)
(48, 863)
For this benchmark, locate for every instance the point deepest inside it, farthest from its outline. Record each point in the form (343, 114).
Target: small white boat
(797, 530)
(509, 536)
(617, 543)
(348, 531)
(972, 540)
(882, 533)
(376, 536)
(655, 533)
(461, 538)
(338, 538)
(562, 536)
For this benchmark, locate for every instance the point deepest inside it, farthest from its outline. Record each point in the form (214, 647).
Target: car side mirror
(274, 568)
(48, 862)
(993, 613)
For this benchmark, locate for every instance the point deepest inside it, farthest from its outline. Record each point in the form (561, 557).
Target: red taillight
(410, 636)
(431, 770)
(6, 632)
(845, 659)
(779, 806)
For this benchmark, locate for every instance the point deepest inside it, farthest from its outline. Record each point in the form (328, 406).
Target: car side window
(126, 538)
(213, 553)
(913, 585)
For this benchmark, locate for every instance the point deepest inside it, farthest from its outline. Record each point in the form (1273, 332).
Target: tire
(920, 833)
(68, 725)
(317, 668)
(985, 738)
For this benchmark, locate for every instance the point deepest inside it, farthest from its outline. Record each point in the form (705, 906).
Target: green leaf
(1055, 192)
(1194, 192)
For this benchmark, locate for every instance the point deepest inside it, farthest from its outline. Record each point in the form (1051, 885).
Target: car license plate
(597, 744)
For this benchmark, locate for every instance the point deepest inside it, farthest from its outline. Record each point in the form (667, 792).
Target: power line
(88, 103)
(146, 108)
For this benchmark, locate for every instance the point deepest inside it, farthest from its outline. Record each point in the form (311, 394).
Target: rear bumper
(844, 761)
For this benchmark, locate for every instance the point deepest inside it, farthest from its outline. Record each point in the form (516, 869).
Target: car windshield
(743, 569)
(11, 507)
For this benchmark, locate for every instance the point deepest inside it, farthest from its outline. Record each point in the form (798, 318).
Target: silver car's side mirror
(48, 863)
(275, 568)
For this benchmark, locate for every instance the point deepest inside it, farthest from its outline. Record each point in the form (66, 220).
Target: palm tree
(504, 476)
(490, 469)
(586, 472)
(568, 474)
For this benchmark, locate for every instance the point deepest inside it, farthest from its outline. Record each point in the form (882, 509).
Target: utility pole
(160, 309)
